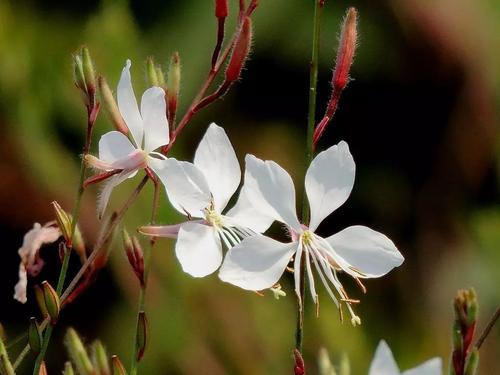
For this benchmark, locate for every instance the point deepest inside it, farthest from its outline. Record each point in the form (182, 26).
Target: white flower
(148, 128)
(31, 263)
(383, 363)
(258, 262)
(202, 190)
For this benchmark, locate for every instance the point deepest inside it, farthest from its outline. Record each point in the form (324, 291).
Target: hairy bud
(240, 51)
(345, 53)
(151, 74)
(221, 8)
(173, 86)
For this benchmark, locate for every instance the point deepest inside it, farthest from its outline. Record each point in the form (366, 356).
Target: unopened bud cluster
(135, 255)
(84, 75)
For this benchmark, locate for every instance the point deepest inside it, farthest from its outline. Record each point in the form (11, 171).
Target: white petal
(127, 104)
(109, 185)
(186, 186)
(215, 157)
(366, 250)
(21, 286)
(256, 263)
(431, 367)
(329, 181)
(245, 214)
(114, 146)
(198, 249)
(271, 191)
(154, 118)
(383, 362)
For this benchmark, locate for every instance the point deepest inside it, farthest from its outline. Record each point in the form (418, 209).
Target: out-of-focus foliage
(421, 118)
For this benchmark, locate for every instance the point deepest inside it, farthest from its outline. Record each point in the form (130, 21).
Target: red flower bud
(221, 8)
(240, 51)
(345, 53)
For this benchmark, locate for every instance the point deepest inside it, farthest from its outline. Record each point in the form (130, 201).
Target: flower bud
(63, 221)
(345, 53)
(43, 369)
(6, 367)
(135, 255)
(40, 299)
(100, 359)
(68, 369)
(151, 75)
(161, 78)
(142, 334)
(52, 302)
(299, 368)
(240, 53)
(221, 8)
(78, 73)
(118, 368)
(78, 354)
(472, 362)
(173, 86)
(111, 106)
(34, 336)
(88, 71)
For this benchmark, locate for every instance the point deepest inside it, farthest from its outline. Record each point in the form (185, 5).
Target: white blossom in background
(258, 262)
(31, 263)
(201, 190)
(383, 363)
(148, 129)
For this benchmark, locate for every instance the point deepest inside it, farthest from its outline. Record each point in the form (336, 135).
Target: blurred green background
(421, 119)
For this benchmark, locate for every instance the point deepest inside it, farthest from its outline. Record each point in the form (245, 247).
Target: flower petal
(109, 185)
(431, 367)
(215, 157)
(198, 249)
(383, 362)
(166, 231)
(127, 104)
(244, 213)
(154, 118)
(21, 286)
(186, 186)
(271, 191)
(256, 263)
(114, 146)
(365, 250)
(329, 181)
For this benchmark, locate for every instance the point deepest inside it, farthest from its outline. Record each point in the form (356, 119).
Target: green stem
(311, 121)
(67, 254)
(142, 293)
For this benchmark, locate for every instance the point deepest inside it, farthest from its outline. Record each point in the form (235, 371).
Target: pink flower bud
(240, 51)
(345, 53)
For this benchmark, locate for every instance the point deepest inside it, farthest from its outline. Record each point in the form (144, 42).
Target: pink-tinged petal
(127, 103)
(185, 184)
(198, 249)
(431, 367)
(109, 185)
(166, 231)
(154, 117)
(256, 263)
(114, 146)
(271, 191)
(383, 362)
(22, 285)
(216, 158)
(364, 252)
(329, 181)
(244, 214)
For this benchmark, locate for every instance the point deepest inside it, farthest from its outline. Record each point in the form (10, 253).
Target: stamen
(358, 281)
(325, 283)
(311, 278)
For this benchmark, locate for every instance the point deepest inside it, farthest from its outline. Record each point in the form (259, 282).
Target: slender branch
(103, 239)
(313, 80)
(142, 292)
(488, 328)
(21, 357)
